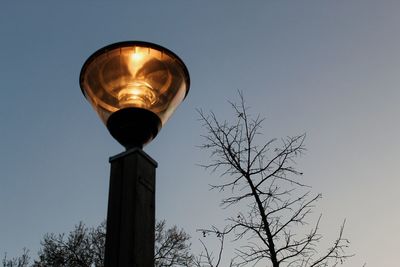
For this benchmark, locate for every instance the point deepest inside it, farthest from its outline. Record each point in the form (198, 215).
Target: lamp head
(134, 87)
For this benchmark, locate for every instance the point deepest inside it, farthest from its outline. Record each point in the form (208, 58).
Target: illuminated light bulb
(137, 94)
(136, 56)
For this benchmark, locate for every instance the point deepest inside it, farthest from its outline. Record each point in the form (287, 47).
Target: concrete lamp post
(134, 87)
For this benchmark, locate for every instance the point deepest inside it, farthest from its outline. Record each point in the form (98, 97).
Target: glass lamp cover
(134, 75)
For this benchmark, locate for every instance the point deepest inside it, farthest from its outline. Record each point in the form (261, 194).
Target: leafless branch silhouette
(263, 175)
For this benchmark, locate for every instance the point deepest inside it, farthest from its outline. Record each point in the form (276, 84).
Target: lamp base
(133, 127)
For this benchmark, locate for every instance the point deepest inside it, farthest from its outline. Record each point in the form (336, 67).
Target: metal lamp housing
(134, 87)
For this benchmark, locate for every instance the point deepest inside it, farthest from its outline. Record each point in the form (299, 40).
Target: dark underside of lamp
(133, 127)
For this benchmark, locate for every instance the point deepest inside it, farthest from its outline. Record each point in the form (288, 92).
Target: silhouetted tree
(207, 258)
(21, 261)
(172, 247)
(262, 175)
(84, 247)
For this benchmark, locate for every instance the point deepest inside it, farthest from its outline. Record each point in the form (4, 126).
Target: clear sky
(327, 68)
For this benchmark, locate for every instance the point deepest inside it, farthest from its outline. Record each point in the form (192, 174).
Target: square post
(131, 210)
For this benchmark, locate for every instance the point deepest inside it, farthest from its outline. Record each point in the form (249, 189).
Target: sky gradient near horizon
(329, 69)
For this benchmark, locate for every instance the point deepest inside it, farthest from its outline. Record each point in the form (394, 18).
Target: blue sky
(327, 68)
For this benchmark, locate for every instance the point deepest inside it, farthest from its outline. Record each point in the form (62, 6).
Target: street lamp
(134, 87)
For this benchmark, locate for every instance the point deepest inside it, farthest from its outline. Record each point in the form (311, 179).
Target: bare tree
(262, 175)
(172, 247)
(206, 258)
(84, 247)
(21, 261)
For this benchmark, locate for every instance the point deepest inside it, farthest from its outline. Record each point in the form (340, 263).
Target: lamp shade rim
(130, 44)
